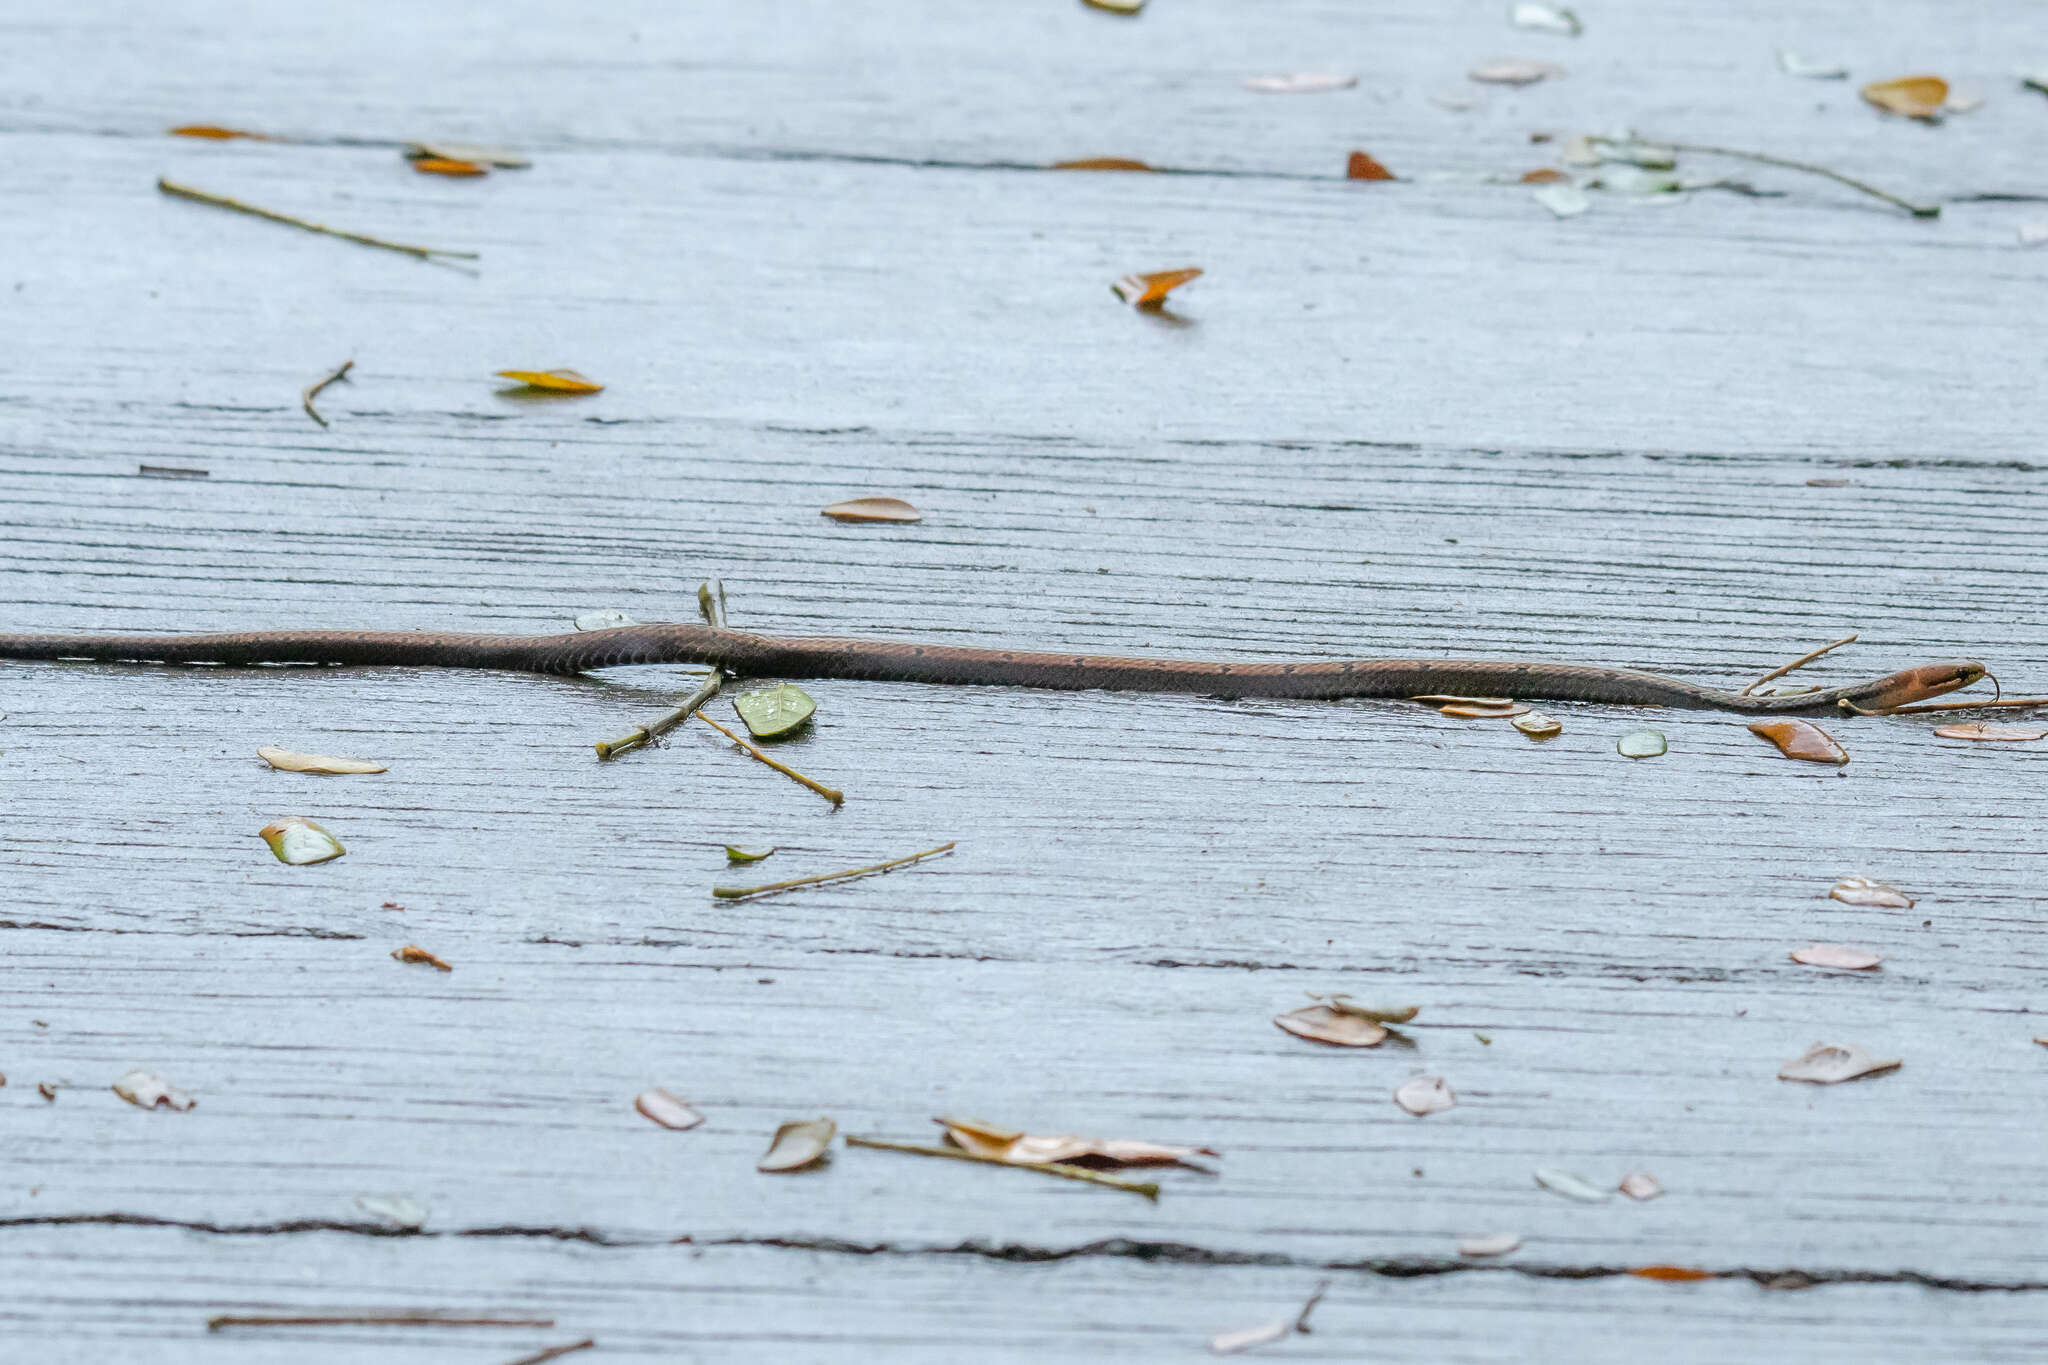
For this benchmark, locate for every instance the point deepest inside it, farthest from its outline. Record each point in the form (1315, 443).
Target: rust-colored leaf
(441, 165)
(1019, 1148)
(216, 133)
(1363, 167)
(1544, 175)
(1149, 291)
(667, 1110)
(1321, 1024)
(1835, 955)
(1424, 1095)
(1484, 710)
(1832, 1063)
(1977, 729)
(1865, 891)
(1678, 1274)
(1101, 163)
(1801, 739)
(553, 381)
(1918, 97)
(412, 952)
(872, 509)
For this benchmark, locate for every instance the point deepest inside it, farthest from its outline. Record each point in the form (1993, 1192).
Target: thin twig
(713, 612)
(733, 893)
(1798, 663)
(401, 1319)
(306, 398)
(835, 797)
(221, 201)
(1149, 1189)
(1764, 158)
(554, 1352)
(1925, 706)
(1300, 1319)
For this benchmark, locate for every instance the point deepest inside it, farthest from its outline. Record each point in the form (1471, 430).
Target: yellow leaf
(448, 166)
(215, 132)
(553, 381)
(1918, 97)
(1147, 291)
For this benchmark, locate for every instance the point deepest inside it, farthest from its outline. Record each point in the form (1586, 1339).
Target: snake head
(1918, 684)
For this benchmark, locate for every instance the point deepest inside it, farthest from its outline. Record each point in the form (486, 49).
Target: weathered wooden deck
(804, 245)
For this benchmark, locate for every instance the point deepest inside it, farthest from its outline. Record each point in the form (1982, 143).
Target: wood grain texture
(802, 246)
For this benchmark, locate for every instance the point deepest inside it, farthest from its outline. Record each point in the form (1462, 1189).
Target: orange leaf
(1101, 163)
(1801, 739)
(553, 381)
(1671, 1272)
(1544, 175)
(1363, 167)
(441, 165)
(218, 134)
(1148, 291)
(1918, 97)
(412, 952)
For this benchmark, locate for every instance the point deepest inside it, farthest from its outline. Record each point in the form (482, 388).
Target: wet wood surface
(808, 249)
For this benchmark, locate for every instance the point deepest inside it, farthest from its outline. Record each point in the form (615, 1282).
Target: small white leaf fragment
(1564, 201)
(2034, 233)
(286, 760)
(667, 1110)
(1865, 891)
(1231, 1343)
(1536, 725)
(797, 1145)
(1492, 1244)
(399, 1210)
(1423, 1095)
(1640, 1185)
(1792, 64)
(1321, 1024)
(1300, 83)
(608, 619)
(1641, 744)
(1546, 19)
(297, 840)
(147, 1090)
(1514, 71)
(872, 509)
(1831, 1063)
(1570, 1185)
(1835, 955)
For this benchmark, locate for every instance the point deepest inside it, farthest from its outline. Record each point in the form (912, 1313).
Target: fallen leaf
(1674, 1273)
(1019, 1148)
(1231, 1343)
(298, 841)
(1571, 1186)
(1544, 175)
(1792, 64)
(1831, 1063)
(1379, 1014)
(1801, 739)
(797, 1145)
(1423, 1095)
(1321, 1024)
(1453, 699)
(608, 619)
(670, 1111)
(448, 166)
(148, 1091)
(2043, 1041)
(1590, 150)
(774, 712)
(47, 1091)
(1101, 163)
(413, 953)
(1148, 291)
(466, 151)
(1477, 711)
(1536, 725)
(1363, 167)
(735, 854)
(1919, 97)
(1641, 744)
(1640, 1186)
(1546, 18)
(1864, 891)
(553, 381)
(216, 132)
(872, 509)
(1128, 8)
(285, 760)
(1835, 955)
(1492, 1244)
(1514, 71)
(1563, 201)
(2034, 233)
(1299, 83)
(1977, 729)
(398, 1210)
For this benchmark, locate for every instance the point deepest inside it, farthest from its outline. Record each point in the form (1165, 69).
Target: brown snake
(749, 654)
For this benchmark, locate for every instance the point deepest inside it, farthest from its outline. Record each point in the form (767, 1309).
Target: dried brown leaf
(1321, 1024)
(413, 953)
(667, 1110)
(448, 166)
(216, 133)
(287, 760)
(797, 1145)
(1978, 729)
(1019, 1148)
(1149, 291)
(1544, 175)
(1918, 97)
(1675, 1273)
(1832, 1063)
(1801, 739)
(1865, 891)
(1364, 167)
(1835, 955)
(1101, 163)
(872, 509)
(553, 381)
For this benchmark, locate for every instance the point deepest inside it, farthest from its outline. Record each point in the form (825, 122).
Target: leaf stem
(541, 1357)
(1798, 663)
(221, 201)
(1148, 1188)
(1765, 158)
(313, 391)
(733, 893)
(831, 794)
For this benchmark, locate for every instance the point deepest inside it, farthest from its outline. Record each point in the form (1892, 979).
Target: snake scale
(750, 654)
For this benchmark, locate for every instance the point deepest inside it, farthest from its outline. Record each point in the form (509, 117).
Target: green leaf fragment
(736, 854)
(775, 711)
(1641, 744)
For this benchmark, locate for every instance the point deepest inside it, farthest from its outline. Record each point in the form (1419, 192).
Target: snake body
(749, 654)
